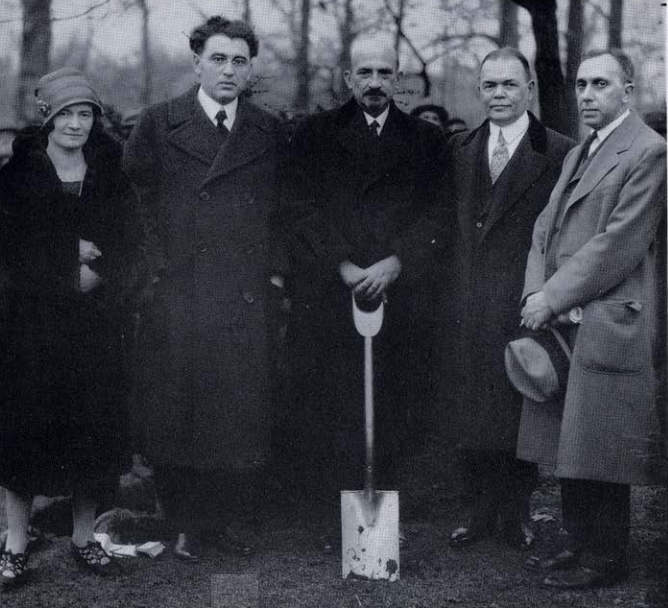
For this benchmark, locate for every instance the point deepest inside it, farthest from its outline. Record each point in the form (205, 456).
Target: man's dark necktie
(220, 125)
(373, 128)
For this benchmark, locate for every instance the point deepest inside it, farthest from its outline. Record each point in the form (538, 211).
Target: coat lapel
(190, 128)
(605, 160)
(526, 166)
(391, 149)
(248, 139)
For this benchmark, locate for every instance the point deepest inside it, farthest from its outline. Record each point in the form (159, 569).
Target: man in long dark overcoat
(364, 175)
(206, 163)
(597, 247)
(501, 177)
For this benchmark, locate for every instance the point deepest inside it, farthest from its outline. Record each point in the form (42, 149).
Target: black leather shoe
(185, 550)
(517, 535)
(585, 578)
(231, 541)
(564, 560)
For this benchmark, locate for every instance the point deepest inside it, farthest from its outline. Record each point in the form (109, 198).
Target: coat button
(478, 224)
(204, 195)
(201, 246)
(248, 296)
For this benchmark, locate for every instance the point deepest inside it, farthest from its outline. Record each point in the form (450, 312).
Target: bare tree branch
(68, 18)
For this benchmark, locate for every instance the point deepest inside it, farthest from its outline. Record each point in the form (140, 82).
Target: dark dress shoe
(585, 578)
(185, 550)
(231, 541)
(564, 560)
(517, 535)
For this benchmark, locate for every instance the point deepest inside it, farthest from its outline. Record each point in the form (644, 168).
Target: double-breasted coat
(484, 279)
(600, 253)
(363, 198)
(203, 397)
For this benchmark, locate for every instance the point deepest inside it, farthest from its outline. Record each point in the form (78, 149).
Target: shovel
(369, 517)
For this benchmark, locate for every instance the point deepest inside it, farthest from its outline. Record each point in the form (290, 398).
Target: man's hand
(378, 277)
(88, 279)
(350, 273)
(88, 251)
(536, 312)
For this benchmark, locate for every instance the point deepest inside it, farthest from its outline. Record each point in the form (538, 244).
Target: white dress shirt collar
(380, 119)
(512, 133)
(211, 107)
(605, 132)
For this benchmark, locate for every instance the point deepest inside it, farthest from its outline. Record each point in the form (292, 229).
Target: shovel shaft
(368, 414)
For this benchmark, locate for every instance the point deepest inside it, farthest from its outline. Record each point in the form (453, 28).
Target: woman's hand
(88, 279)
(88, 251)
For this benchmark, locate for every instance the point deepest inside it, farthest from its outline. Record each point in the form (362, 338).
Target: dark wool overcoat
(483, 282)
(359, 197)
(597, 246)
(204, 387)
(63, 407)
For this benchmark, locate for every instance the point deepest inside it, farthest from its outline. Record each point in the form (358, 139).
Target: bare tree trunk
(303, 67)
(508, 28)
(147, 89)
(574, 39)
(615, 24)
(35, 56)
(347, 37)
(548, 67)
(246, 15)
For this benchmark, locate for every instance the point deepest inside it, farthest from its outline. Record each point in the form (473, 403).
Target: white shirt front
(211, 107)
(380, 119)
(605, 132)
(512, 133)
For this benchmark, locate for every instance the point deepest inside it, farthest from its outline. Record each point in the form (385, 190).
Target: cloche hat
(62, 88)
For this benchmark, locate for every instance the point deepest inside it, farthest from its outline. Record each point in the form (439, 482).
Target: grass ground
(288, 568)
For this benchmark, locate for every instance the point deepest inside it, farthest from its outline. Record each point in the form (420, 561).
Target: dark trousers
(597, 518)
(499, 486)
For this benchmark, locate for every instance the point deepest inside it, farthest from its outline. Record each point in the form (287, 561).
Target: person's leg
(517, 479)
(611, 528)
(18, 519)
(480, 480)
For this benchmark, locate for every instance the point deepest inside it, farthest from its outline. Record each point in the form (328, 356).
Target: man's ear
(628, 91)
(197, 60)
(347, 77)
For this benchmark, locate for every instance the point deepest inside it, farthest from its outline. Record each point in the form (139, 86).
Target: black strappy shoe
(95, 559)
(13, 568)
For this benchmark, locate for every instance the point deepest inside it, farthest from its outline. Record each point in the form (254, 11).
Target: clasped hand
(372, 282)
(88, 278)
(536, 312)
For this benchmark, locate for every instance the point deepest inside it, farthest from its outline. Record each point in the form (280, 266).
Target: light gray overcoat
(604, 248)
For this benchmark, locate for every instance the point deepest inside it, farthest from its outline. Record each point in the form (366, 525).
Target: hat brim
(72, 102)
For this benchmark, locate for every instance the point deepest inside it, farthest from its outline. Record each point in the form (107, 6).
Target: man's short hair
(508, 52)
(226, 27)
(622, 59)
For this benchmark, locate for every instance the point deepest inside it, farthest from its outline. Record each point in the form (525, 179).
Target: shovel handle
(368, 415)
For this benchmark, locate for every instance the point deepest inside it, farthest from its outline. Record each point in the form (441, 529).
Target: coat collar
(525, 167)
(604, 161)
(190, 129)
(353, 137)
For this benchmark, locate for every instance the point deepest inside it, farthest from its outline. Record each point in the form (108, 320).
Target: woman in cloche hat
(69, 263)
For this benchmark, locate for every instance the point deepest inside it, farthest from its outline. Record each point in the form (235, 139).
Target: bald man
(364, 176)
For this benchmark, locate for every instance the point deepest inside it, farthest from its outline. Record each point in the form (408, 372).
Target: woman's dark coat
(204, 392)
(480, 302)
(62, 406)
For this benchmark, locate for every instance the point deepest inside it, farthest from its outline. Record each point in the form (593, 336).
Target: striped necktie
(500, 158)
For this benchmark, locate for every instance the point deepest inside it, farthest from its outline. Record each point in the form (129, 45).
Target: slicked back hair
(226, 27)
(509, 52)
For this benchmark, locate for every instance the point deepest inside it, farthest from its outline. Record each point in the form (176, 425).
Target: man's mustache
(375, 93)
